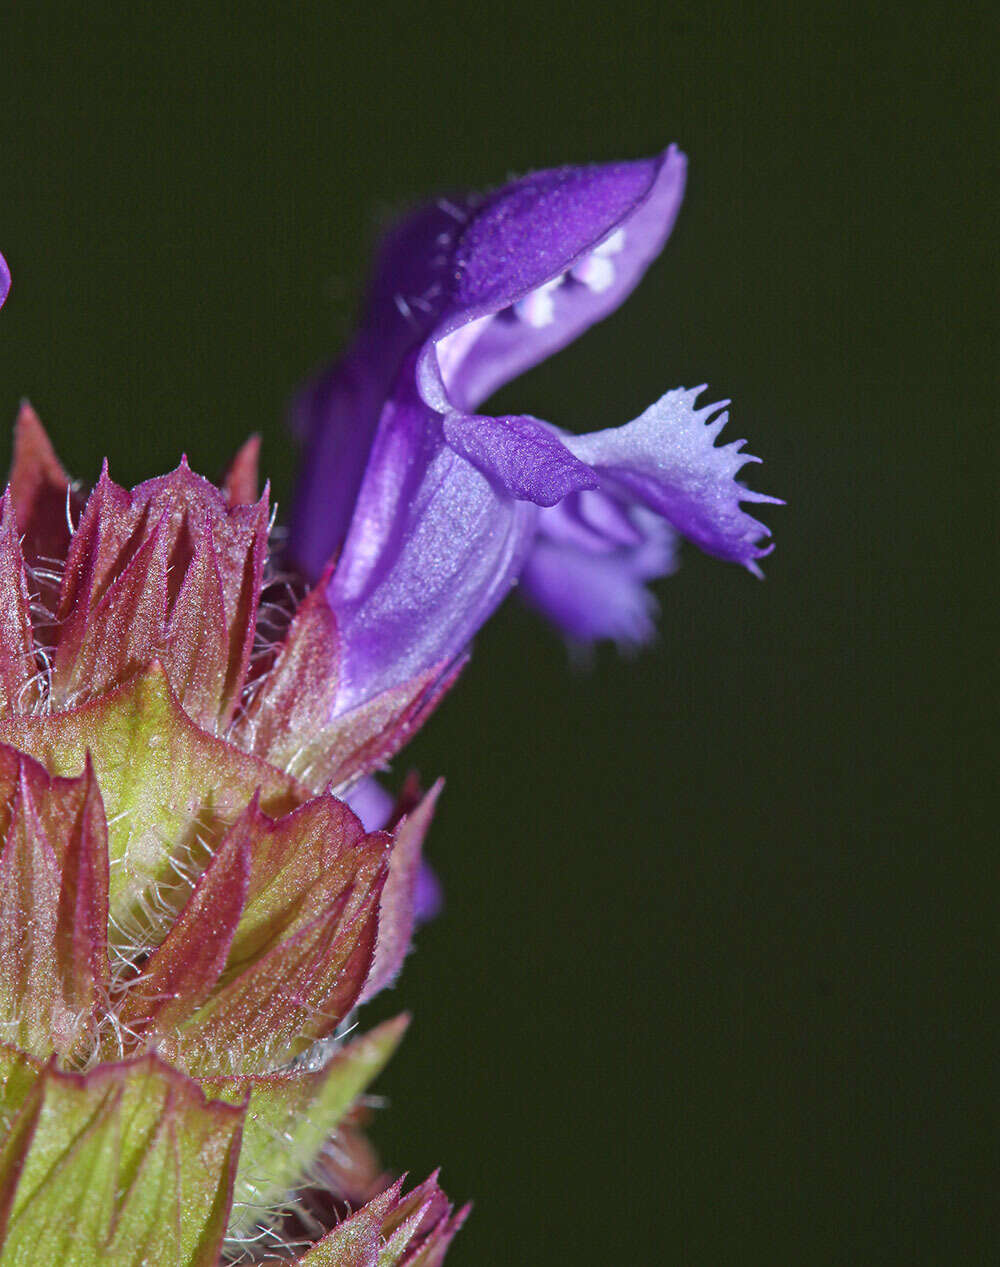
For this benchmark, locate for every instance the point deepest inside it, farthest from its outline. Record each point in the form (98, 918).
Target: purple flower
(4, 280)
(434, 510)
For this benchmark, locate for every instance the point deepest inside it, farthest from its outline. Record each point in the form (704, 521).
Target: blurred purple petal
(4, 280)
(593, 586)
(428, 900)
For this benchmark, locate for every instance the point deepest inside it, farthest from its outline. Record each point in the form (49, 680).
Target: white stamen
(596, 272)
(612, 244)
(537, 308)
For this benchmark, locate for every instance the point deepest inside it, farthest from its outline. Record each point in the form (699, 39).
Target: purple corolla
(4, 280)
(433, 510)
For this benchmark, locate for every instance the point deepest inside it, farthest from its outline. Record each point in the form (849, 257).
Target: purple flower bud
(433, 510)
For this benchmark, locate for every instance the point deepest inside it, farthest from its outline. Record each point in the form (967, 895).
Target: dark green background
(712, 984)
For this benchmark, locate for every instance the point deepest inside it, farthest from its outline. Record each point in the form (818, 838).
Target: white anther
(596, 272)
(612, 244)
(538, 308)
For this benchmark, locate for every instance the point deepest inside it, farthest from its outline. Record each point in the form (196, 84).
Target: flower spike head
(454, 506)
(186, 927)
(157, 606)
(189, 912)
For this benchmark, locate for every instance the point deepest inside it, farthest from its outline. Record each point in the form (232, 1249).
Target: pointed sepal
(169, 571)
(366, 738)
(292, 703)
(170, 791)
(271, 890)
(292, 719)
(180, 973)
(291, 1116)
(128, 1164)
(392, 1231)
(299, 985)
(53, 906)
(357, 1240)
(398, 908)
(420, 1228)
(20, 685)
(241, 482)
(44, 500)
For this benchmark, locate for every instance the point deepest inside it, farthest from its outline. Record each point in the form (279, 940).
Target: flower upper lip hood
(429, 510)
(547, 256)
